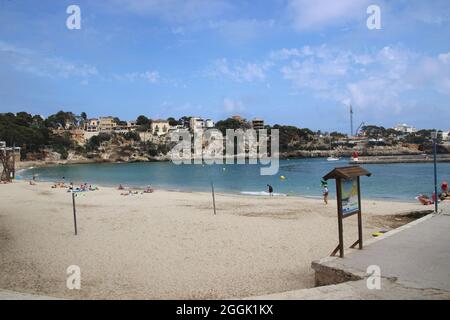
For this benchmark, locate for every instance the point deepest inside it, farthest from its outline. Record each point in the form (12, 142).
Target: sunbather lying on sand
(424, 200)
(149, 189)
(59, 185)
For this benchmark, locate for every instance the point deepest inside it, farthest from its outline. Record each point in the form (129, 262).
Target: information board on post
(349, 197)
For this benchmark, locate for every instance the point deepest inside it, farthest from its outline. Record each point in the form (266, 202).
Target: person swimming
(270, 189)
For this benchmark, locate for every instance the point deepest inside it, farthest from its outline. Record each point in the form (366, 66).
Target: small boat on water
(333, 159)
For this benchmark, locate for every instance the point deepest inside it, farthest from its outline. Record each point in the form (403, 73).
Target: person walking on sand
(325, 194)
(270, 190)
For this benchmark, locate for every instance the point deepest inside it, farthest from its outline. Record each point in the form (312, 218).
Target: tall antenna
(351, 121)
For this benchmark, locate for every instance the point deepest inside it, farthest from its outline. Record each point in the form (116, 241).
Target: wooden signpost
(74, 213)
(348, 194)
(214, 197)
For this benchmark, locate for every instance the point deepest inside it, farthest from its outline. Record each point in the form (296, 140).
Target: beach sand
(169, 244)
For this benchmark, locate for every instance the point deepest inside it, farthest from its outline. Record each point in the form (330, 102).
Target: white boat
(333, 159)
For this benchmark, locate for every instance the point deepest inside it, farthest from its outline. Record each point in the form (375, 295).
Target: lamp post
(434, 137)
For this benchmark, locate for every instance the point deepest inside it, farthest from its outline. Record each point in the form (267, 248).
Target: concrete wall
(326, 275)
(88, 135)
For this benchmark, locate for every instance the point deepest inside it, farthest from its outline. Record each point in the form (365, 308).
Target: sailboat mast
(351, 121)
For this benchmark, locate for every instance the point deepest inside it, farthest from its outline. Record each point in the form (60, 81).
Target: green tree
(95, 141)
(173, 122)
(230, 123)
(143, 122)
(60, 119)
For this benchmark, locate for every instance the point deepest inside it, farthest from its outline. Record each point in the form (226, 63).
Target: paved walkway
(414, 261)
(418, 257)
(357, 290)
(11, 295)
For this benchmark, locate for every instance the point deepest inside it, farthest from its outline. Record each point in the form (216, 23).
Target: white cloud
(241, 72)
(242, 31)
(284, 54)
(233, 106)
(318, 70)
(444, 57)
(174, 11)
(435, 12)
(372, 81)
(317, 14)
(150, 76)
(25, 60)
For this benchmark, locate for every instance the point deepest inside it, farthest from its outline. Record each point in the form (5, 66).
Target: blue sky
(294, 62)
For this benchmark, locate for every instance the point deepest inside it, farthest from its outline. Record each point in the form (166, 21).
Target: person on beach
(120, 187)
(325, 194)
(444, 188)
(270, 189)
(149, 189)
(423, 199)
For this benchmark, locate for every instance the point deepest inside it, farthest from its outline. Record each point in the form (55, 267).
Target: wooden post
(13, 166)
(360, 236)
(351, 175)
(74, 212)
(340, 223)
(213, 196)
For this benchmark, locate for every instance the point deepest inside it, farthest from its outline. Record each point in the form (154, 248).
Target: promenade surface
(414, 262)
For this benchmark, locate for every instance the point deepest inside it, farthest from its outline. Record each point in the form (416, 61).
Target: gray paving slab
(417, 257)
(11, 295)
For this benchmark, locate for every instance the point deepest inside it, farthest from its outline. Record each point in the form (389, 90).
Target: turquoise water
(396, 181)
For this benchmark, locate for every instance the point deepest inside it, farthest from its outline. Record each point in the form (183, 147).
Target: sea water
(401, 181)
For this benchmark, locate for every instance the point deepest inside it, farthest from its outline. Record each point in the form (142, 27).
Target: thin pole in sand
(213, 196)
(74, 212)
(434, 137)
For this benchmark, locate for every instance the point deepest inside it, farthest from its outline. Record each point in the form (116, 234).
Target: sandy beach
(169, 244)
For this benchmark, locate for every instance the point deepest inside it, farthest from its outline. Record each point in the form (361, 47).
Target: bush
(132, 135)
(95, 141)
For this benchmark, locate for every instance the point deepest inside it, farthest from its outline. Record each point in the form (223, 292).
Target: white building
(160, 127)
(107, 124)
(196, 123)
(445, 136)
(209, 123)
(405, 128)
(91, 125)
(131, 125)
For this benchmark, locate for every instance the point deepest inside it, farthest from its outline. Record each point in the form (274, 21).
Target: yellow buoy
(283, 178)
(377, 234)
